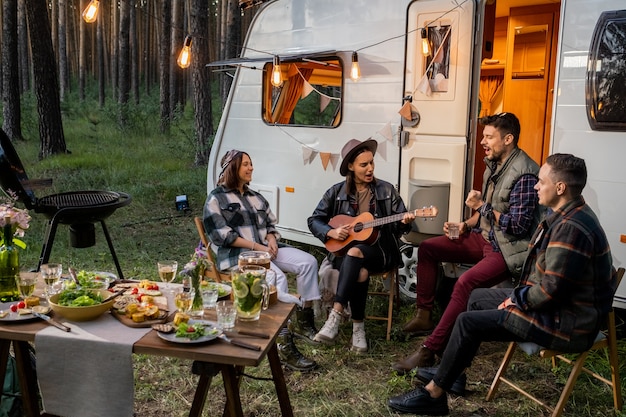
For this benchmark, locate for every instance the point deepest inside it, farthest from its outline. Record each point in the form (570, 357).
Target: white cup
(453, 231)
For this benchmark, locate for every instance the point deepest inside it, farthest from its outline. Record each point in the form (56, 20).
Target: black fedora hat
(351, 149)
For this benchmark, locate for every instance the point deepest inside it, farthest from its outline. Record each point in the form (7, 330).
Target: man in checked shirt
(495, 239)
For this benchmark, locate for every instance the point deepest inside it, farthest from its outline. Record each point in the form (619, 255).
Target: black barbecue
(78, 209)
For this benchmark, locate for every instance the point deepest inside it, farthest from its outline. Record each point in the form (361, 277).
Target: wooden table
(225, 358)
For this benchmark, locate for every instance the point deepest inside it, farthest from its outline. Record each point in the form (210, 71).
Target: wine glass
(51, 274)
(183, 300)
(26, 285)
(167, 271)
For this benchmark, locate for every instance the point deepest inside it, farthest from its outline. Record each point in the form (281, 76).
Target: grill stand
(51, 230)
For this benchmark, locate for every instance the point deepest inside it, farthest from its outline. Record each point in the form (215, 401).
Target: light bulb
(277, 75)
(355, 70)
(91, 11)
(425, 43)
(184, 58)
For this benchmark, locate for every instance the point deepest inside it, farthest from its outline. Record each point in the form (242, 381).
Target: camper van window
(310, 94)
(606, 73)
(438, 62)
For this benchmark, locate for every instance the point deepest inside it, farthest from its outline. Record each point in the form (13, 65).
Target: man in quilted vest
(495, 239)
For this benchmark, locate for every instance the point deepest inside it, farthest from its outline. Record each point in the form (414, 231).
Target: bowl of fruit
(81, 304)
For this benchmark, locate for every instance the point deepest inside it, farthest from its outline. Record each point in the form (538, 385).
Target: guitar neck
(390, 219)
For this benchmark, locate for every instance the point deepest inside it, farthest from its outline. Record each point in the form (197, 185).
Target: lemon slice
(257, 288)
(240, 289)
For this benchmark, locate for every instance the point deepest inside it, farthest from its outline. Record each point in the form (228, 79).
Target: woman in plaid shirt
(239, 219)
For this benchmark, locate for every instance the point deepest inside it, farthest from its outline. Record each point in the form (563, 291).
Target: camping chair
(606, 339)
(212, 272)
(390, 282)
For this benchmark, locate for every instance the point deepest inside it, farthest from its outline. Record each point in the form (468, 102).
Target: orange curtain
(294, 91)
(489, 87)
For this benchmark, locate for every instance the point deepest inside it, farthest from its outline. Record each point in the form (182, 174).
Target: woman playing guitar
(360, 193)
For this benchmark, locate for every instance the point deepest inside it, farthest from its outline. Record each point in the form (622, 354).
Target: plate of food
(95, 279)
(188, 332)
(18, 311)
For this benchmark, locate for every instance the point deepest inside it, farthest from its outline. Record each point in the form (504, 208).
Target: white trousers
(304, 265)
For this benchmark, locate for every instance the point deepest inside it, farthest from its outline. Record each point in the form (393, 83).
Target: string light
(184, 58)
(91, 11)
(425, 42)
(277, 75)
(355, 70)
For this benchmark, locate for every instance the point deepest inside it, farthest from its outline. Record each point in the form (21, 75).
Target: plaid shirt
(228, 214)
(518, 220)
(567, 283)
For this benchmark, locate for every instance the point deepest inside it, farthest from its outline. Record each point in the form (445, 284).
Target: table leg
(5, 346)
(279, 382)
(206, 371)
(231, 385)
(27, 377)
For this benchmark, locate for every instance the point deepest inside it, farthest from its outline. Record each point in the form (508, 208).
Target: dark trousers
(482, 322)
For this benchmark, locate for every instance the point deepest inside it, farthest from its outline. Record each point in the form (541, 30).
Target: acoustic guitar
(363, 228)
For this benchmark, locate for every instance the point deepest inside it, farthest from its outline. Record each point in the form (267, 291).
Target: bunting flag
(424, 87)
(306, 90)
(405, 110)
(386, 131)
(334, 159)
(306, 154)
(382, 150)
(324, 102)
(325, 157)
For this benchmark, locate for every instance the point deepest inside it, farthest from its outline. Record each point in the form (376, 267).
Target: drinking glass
(226, 315)
(183, 300)
(209, 297)
(51, 274)
(26, 285)
(167, 270)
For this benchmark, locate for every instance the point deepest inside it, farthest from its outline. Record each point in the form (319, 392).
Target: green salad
(190, 331)
(92, 279)
(79, 298)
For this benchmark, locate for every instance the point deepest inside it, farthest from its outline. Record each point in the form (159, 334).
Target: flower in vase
(17, 219)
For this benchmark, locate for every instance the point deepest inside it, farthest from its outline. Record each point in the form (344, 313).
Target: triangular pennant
(386, 131)
(313, 155)
(382, 150)
(334, 159)
(325, 157)
(424, 87)
(306, 154)
(306, 89)
(324, 100)
(405, 111)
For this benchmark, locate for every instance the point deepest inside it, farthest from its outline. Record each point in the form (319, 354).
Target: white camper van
(428, 70)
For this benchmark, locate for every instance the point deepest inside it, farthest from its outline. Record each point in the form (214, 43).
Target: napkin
(88, 371)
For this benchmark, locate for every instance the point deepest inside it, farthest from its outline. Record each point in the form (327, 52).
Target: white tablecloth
(88, 371)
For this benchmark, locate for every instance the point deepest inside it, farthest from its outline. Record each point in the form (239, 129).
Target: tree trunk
(100, 63)
(201, 80)
(176, 73)
(23, 49)
(134, 55)
(11, 112)
(82, 53)
(46, 81)
(233, 40)
(124, 63)
(62, 48)
(164, 65)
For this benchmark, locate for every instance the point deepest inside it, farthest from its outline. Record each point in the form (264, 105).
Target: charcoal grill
(78, 209)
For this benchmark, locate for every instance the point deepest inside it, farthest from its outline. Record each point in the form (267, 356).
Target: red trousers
(489, 270)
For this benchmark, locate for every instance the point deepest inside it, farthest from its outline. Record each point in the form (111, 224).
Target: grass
(154, 168)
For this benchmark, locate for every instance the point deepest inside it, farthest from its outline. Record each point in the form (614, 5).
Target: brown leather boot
(422, 323)
(423, 357)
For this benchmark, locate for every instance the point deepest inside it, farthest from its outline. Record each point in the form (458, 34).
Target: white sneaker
(359, 341)
(328, 332)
